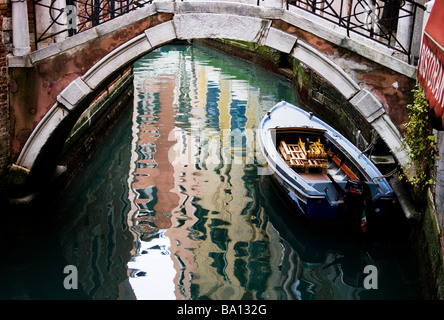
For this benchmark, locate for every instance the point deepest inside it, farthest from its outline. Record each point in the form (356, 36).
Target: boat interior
(312, 155)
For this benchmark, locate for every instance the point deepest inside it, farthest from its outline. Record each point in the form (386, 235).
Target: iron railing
(74, 16)
(375, 20)
(379, 21)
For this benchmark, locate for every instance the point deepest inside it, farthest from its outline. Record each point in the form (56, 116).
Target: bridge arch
(39, 156)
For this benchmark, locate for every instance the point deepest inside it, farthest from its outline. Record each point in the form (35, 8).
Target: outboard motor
(358, 203)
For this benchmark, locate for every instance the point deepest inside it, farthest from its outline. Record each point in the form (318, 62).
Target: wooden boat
(323, 174)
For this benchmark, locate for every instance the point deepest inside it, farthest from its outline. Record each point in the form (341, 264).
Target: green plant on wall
(419, 142)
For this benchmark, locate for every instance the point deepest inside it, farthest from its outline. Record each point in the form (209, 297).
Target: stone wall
(5, 48)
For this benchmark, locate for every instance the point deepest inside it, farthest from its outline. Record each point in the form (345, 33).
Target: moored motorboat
(323, 174)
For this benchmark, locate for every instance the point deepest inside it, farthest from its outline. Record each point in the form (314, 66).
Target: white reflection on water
(153, 271)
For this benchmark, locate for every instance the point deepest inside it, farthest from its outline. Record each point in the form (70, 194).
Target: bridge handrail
(78, 15)
(388, 22)
(375, 20)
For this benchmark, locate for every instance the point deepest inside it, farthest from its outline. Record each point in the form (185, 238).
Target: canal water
(177, 204)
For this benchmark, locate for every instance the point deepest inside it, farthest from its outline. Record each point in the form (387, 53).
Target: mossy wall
(330, 105)
(93, 126)
(426, 241)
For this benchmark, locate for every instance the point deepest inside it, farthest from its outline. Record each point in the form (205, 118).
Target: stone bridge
(49, 88)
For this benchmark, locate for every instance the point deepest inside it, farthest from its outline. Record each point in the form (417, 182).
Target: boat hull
(319, 211)
(316, 210)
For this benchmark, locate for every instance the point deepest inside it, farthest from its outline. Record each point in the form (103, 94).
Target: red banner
(431, 63)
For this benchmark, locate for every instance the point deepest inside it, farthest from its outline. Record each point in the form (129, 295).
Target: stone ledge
(241, 9)
(367, 104)
(17, 175)
(279, 40)
(71, 96)
(161, 33)
(213, 25)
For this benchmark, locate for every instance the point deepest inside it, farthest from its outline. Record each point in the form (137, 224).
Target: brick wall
(5, 48)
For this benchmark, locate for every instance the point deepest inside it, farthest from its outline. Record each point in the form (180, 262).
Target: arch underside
(41, 151)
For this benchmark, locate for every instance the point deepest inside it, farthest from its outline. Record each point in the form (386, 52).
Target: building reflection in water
(95, 233)
(192, 203)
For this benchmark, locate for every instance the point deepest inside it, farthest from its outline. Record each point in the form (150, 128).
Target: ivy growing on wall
(419, 142)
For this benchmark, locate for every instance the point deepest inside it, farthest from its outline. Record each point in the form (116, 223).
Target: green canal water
(175, 204)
